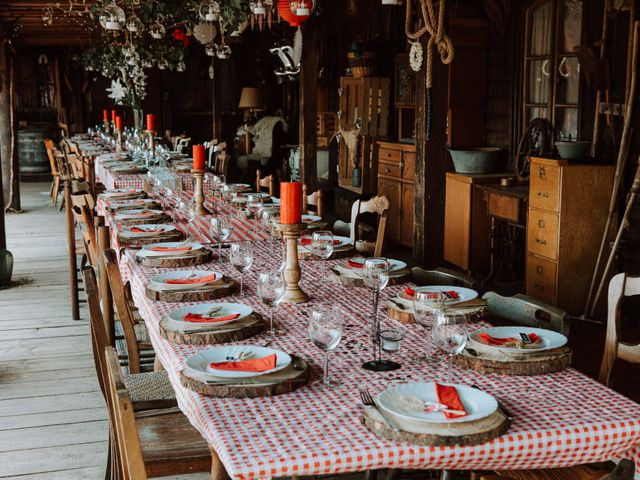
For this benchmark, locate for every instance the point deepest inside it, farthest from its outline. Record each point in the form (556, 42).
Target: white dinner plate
(477, 404)
(200, 362)
(137, 213)
(345, 243)
(549, 338)
(177, 315)
(393, 264)
(464, 294)
(147, 226)
(240, 186)
(158, 281)
(310, 218)
(122, 192)
(147, 250)
(130, 204)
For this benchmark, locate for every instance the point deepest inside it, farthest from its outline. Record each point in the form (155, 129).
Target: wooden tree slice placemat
(475, 309)
(490, 360)
(160, 218)
(174, 236)
(232, 332)
(195, 294)
(198, 257)
(440, 434)
(338, 277)
(304, 254)
(277, 383)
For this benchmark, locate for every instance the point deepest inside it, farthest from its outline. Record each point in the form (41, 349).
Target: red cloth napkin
(142, 230)
(451, 294)
(448, 395)
(489, 340)
(409, 292)
(199, 318)
(170, 249)
(355, 264)
(252, 365)
(308, 241)
(189, 281)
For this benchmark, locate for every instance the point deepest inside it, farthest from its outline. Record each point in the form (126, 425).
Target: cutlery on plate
(397, 304)
(367, 401)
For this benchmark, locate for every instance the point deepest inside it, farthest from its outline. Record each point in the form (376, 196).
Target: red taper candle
(151, 122)
(290, 203)
(113, 116)
(105, 115)
(198, 157)
(118, 122)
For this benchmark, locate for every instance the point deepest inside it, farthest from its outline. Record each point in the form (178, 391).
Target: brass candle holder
(198, 192)
(292, 273)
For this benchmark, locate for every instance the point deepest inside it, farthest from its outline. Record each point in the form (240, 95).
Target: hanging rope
(434, 26)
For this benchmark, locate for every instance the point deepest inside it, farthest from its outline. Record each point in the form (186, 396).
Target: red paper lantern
(284, 10)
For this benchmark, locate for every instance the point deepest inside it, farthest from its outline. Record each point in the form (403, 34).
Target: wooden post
(430, 172)
(71, 248)
(15, 167)
(6, 134)
(104, 240)
(308, 84)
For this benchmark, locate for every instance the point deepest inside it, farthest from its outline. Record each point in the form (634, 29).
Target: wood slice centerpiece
(173, 236)
(236, 331)
(474, 432)
(306, 254)
(159, 218)
(491, 360)
(228, 286)
(352, 279)
(198, 257)
(475, 309)
(271, 384)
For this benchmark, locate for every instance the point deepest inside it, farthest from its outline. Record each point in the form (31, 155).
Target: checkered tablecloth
(559, 419)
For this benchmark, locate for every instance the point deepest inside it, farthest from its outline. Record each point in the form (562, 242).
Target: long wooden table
(560, 419)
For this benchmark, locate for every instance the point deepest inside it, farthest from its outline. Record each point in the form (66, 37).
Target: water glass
(450, 335)
(325, 332)
(375, 275)
(322, 247)
(254, 204)
(271, 289)
(241, 258)
(426, 306)
(220, 229)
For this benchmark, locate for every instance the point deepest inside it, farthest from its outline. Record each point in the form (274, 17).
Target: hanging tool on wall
(434, 26)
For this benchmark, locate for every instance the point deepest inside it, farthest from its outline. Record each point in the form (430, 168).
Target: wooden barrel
(32, 155)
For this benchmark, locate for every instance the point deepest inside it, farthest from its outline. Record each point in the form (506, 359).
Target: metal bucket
(32, 154)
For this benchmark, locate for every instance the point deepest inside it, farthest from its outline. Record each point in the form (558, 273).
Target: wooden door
(406, 216)
(392, 190)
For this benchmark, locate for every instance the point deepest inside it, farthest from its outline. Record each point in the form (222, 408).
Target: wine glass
(271, 292)
(220, 228)
(322, 247)
(254, 203)
(241, 258)
(426, 306)
(375, 274)
(325, 332)
(450, 335)
(270, 220)
(188, 214)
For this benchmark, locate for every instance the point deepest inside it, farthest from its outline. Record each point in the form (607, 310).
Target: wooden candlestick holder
(198, 192)
(119, 139)
(292, 273)
(152, 141)
(107, 126)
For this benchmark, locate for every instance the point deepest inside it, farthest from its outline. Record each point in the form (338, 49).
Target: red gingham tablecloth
(559, 419)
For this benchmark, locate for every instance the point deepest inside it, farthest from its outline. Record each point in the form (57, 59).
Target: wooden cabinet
(396, 165)
(466, 224)
(567, 214)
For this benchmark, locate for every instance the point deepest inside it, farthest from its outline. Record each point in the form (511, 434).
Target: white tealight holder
(303, 12)
(113, 26)
(259, 11)
(157, 36)
(210, 17)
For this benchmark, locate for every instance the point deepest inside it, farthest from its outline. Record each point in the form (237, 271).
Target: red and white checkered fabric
(559, 419)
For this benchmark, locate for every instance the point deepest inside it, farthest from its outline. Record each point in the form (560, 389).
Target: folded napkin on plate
(252, 365)
(189, 281)
(409, 292)
(171, 249)
(489, 340)
(448, 395)
(308, 241)
(199, 318)
(450, 294)
(146, 230)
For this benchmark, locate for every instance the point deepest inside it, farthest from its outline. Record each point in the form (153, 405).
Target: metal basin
(475, 160)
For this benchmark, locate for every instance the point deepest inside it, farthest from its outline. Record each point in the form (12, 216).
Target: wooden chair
(49, 146)
(597, 471)
(528, 311)
(620, 286)
(380, 206)
(265, 183)
(315, 200)
(221, 163)
(443, 276)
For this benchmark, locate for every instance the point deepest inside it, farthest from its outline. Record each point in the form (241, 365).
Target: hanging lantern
(223, 52)
(210, 50)
(112, 17)
(157, 30)
(209, 11)
(134, 24)
(162, 64)
(287, 9)
(205, 32)
(302, 8)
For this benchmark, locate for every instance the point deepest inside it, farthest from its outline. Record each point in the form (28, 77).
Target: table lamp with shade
(251, 101)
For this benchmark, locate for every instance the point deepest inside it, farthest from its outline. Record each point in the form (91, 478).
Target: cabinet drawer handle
(538, 287)
(539, 270)
(542, 173)
(541, 223)
(386, 170)
(541, 242)
(388, 155)
(543, 194)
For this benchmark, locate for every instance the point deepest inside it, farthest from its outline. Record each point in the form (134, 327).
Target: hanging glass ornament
(223, 52)
(147, 63)
(157, 30)
(211, 49)
(112, 17)
(302, 8)
(261, 10)
(205, 32)
(181, 67)
(134, 24)
(162, 64)
(209, 11)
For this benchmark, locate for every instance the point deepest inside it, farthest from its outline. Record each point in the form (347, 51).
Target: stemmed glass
(271, 292)
(322, 247)
(254, 203)
(270, 221)
(375, 274)
(241, 258)
(325, 331)
(426, 306)
(188, 214)
(220, 228)
(450, 335)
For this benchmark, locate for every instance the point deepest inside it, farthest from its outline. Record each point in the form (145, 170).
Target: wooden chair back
(315, 200)
(76, 167)
(265, 183)
(85, 223)
(64, 129)
(443, 276)
(620, 286)
(125, 315)
(528, 311)
(221, 163)
(380, 206)
(50, 147)
(99, 340)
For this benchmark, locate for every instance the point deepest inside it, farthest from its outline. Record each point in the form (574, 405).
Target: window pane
(568, 78)
(539, 81)
(536, 112)
(541, 22)
(566, 123)
(570, 25)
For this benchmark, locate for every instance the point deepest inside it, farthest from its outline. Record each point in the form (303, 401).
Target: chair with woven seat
(263, 183)
(314, 200)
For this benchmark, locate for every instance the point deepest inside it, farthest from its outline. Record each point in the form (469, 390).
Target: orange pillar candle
(105, 115)
(118, 122)
(290, 203)
(113, 116)
(198, 157)
(151, 122)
